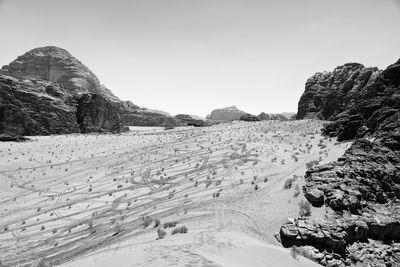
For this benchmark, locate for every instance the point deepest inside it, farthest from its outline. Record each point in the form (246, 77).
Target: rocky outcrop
(360, 101)
(12, 138)
(267, 117)
(226, 114)
(188, 119)
(329, 93)
(57, 65)
(95, 114)
(48, 91)
(361, 190)
(249, 117)
(35, 108)
(146, 118)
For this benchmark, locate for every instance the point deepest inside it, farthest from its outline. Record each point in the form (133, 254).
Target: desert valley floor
(98, 199)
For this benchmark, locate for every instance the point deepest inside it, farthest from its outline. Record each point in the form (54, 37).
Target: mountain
(361, 190)
(48, 91)
(57, 65)
(226, 114)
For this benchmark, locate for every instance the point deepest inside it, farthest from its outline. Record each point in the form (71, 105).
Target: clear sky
(191, 56)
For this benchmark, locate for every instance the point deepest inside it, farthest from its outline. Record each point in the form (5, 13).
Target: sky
(192, 56)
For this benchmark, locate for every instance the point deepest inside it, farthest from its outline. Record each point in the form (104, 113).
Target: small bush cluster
(289, 183)
(182, 230)
(170, 224)
(305, 208)
(311, 164)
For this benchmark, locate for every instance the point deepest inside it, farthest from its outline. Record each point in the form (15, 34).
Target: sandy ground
(94, 200)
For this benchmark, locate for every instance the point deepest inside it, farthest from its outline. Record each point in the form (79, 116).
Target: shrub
(182, 230)
(170, 224)
(311, 164)
(289, 183)
(296, 190)
(161, 233)
(147, 221)
(305, 208)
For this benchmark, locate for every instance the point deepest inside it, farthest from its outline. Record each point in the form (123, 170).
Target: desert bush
(182, 230)
(296, 190)
(305, 208)
(289, 183)
(161, 233)
(147, 220)
(311, 164)
(170, 224)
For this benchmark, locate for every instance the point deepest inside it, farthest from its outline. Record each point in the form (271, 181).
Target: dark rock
(96, 113)
(360, 191)
(190, 121)
(26, 108)
(48, 91)
(12, 138)
(249, 117)
(280, 117)
(360, 101)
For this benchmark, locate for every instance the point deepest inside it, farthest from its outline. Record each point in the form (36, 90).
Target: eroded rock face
(249, 117)
(48, 91)
(328, 93)
(57, 65)
(35, 107)
(96, 113)
(280, 117)
(188, 119)
(361, 190)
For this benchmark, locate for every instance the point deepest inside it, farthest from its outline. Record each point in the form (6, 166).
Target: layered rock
(96, 113)
(35, 107)
(57, 65)
(280, 117)
(190, 121)
(361, 190)
(48, 91)
(249, 117)
(329, 93)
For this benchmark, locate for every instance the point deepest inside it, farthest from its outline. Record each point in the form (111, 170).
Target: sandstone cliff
(48, 91)
(361, 190)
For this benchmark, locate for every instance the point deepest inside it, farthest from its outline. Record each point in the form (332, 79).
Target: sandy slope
(83, 199)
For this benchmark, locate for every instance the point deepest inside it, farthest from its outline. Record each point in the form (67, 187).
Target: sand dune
(82, 200)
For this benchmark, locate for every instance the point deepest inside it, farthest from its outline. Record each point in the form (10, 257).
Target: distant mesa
(231, 113)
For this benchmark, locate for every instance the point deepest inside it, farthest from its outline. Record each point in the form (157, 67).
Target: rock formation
(280, 117)
(361, 190)
(329, 93)
(48, 91)
(226, 114)
(249, 117)
(34, 107)
(190, 121)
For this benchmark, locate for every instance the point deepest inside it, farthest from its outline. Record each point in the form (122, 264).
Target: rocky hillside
(361, 190)
(48, 91)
